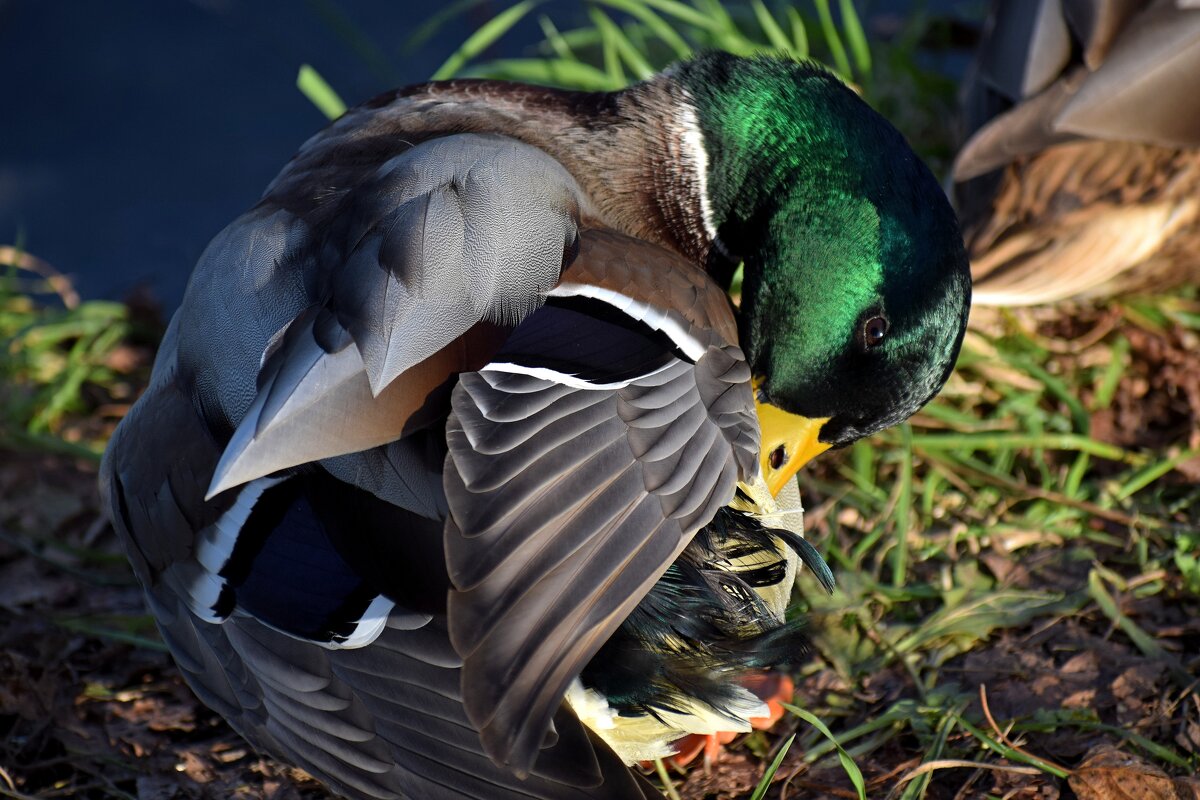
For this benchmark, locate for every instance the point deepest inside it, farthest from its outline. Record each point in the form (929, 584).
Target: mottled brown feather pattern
(616, 145)
(1036, 232)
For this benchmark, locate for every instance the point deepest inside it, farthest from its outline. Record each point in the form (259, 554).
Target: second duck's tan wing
(1089, 219)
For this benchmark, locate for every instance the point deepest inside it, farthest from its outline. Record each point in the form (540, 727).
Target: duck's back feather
(420, 253)
(1132, 80)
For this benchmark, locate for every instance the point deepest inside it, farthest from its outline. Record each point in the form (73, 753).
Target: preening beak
(789, 441)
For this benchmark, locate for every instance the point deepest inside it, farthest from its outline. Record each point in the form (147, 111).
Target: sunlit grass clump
(54, 347)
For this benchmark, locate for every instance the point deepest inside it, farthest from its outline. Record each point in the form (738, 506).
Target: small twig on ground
(956, 763)
(1061, 499)
(98, 526)
(11, 789)
(966, 787)
(802, 767)
(4, 792)
(1003, 736)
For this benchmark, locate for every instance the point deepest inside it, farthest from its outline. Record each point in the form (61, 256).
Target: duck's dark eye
(778, 457)
(874, 331)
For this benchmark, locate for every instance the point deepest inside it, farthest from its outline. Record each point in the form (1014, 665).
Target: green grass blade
(355, 38)
(1007, 752)
(657, 25)
(483, 38)
(1152, 472)
(717, 11)
(930, 493)
(833, 40)
(974, 619)
(668, 785)
(581, 38)
(91, 627)
(24, 441)
(615, 38)
(1074, 479)
(725, 31)
(1153, 748)
(1113, 373)
(799, 33)
(903, 514)
(770, 28)
(916, 789)
(760, 791)
(1142, 640)
(548, 71)
(735, 285)
(608, 45)
(1012, 441)
(684, 13)
(1080, 419)
(856, 38)
(319, 93)
(426, 30)
(851, 769)
(555, 39)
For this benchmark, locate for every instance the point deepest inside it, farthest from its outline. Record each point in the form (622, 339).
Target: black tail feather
(702, 626)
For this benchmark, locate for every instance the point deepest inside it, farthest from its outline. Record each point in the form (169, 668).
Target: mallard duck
(428, 445)
(1081, 176)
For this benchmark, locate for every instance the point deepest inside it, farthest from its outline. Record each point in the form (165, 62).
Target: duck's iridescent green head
(856, 284)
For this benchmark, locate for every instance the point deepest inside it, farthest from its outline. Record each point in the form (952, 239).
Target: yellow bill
(789, 441)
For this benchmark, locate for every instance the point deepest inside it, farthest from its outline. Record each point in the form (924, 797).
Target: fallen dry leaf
(1109, 774)
(735, 775)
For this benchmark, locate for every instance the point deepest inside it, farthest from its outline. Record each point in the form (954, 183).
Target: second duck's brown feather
(1088, 219)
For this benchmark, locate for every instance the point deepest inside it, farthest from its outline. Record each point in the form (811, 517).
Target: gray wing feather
(453, 231)
(310, 404)
(379, 722)
(386, 721)
(562, 520)
(1097, 23)
(1025, 129)
(1026, 48)
(249, 284)
(402, 473)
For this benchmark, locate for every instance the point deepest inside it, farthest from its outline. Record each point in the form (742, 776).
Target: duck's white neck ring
(693, 158)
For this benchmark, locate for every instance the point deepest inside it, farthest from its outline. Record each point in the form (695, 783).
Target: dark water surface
(134, 130)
